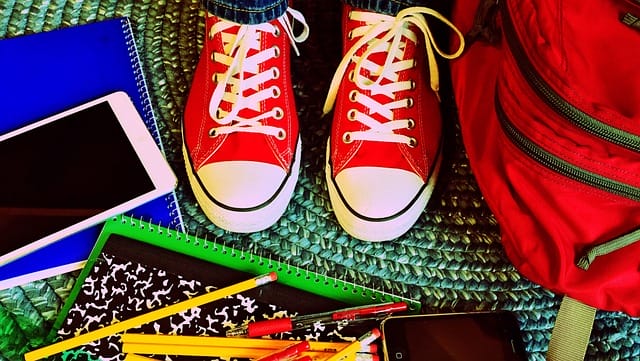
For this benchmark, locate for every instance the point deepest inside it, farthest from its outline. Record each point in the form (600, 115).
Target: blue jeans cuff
(392, 7)
(247, 11)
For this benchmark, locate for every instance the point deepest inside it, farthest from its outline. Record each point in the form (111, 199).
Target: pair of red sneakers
(241, 142)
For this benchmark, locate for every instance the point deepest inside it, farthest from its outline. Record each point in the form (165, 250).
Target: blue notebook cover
(48, 72)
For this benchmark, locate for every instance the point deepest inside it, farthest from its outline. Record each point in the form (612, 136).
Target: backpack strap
(571, 333)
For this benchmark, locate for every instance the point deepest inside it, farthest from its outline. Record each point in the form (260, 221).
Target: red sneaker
(385, 148)
(240, 130)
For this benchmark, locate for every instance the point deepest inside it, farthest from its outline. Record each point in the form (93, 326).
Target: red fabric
(548, 221)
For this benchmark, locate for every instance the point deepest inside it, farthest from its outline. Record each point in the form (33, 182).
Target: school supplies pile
(114, 328)
(147, 279)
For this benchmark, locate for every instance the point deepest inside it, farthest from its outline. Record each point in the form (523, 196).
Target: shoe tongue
(229, 36)
(406, 51)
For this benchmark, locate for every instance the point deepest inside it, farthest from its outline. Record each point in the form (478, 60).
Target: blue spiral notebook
(46, 73)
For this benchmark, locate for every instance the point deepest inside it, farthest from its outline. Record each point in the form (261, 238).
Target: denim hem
(391, 7)
(239, 11)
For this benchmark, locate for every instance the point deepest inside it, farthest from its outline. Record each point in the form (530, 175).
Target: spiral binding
(341, 289)
(147, 114)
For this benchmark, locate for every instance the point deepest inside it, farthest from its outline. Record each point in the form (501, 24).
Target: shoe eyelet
(353, 95)
(213, 133)
(276, 52)
(276, 92)
(415, 63)
(413, 85)
(411, 123)
(350, 35)
(278, 113)
(410, 102)
(346, 138)
(276, 73)
(413, 142)
(277, 32)
(351, 114)
(352, 76)
(282, 135)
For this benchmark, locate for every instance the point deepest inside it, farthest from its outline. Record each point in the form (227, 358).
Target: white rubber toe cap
(242, 184)
(375, 192)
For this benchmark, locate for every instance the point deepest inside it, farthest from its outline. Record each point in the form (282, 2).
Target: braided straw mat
(451, 260)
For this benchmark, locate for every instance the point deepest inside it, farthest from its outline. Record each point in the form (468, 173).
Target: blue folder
(45, 73)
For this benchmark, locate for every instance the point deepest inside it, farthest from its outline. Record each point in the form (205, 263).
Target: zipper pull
(485, 25)
(631, 21)
(608, 247)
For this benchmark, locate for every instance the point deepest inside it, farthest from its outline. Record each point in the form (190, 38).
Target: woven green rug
(451, 260)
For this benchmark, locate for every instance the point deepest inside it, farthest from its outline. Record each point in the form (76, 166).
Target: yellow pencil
(211, 341)
(209, 346)
(209, 351)
(225, 353)
(149, 317)
(349, 352)
(195, 350)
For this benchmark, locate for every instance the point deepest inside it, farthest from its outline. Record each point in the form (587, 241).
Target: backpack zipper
(560, 165)
(555, 101)
(631, 21)
(581, 120)
(579, 174)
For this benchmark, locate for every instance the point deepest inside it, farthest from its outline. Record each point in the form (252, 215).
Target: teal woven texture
(451, 260)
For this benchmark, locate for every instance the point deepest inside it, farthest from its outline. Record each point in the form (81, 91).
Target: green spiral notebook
(138, 266)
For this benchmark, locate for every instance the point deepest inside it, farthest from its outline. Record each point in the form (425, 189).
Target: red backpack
(549, 107)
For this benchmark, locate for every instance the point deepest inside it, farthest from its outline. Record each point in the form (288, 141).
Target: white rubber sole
(376, 230)
(245, 220)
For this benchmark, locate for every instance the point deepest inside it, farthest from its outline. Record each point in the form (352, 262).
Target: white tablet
(75, 169)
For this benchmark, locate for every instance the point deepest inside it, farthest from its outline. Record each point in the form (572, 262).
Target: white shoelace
(243, 74)
(385, 34)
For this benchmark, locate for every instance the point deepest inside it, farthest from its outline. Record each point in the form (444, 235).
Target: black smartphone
(477, 336)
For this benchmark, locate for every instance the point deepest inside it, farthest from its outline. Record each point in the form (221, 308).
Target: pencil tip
(376, 332)
(371, 336)
(267, 278)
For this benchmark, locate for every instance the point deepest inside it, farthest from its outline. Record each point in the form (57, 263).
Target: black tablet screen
(64, 172)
